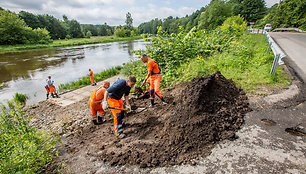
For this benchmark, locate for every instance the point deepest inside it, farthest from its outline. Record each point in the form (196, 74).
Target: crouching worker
(113, 99)
(95, 100)
(50, 88)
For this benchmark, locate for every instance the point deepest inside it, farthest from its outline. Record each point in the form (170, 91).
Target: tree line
(28, 28)
(290, 13)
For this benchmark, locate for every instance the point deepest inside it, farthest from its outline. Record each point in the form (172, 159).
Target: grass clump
(20, 98)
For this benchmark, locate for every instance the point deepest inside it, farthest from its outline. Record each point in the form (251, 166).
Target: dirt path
(195, 133)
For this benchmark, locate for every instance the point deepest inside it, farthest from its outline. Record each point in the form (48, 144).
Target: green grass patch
(65, 43)
(22, 148)
(83, 81)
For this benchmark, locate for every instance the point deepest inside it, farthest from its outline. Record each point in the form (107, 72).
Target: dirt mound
(199, 114)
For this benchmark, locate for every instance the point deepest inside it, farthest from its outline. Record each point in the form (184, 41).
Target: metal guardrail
(278, 53)
(287, 29)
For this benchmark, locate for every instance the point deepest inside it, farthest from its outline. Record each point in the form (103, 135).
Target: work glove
(128, 107)
(105, 105)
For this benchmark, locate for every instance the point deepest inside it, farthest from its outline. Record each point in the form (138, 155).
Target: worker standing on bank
(113, 99)
(95, 100)
(155, 78)
(50, 88)
(92, 79)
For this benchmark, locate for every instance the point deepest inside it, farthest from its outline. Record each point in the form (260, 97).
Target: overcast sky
(113, 12)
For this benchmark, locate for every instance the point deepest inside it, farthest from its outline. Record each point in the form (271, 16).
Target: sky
(112, 12)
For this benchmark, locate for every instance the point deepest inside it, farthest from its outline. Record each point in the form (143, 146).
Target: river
(26, 72)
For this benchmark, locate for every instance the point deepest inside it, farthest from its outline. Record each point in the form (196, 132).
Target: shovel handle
(121, 109)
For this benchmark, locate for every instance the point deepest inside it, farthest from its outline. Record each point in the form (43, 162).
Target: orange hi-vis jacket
(155, 79)
(153, 67)
(95, 101)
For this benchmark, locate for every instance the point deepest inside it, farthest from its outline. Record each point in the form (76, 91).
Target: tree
(129, 20)
(290, 13)
(11, 27)
(13, 30)
(215, 14)
(251, 10)
(30, 19)
(74, 29)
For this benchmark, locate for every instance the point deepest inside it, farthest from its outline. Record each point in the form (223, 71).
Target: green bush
(22, 148)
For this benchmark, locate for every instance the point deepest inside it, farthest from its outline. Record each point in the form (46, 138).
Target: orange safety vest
(97, 95)
(153, 66)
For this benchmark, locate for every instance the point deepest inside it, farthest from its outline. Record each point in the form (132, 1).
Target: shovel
(121, 109)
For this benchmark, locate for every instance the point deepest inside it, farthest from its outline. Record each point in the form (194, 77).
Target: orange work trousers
(92, 80)
(94, 108)
(154, 86)
(117, 114)
(51, 89)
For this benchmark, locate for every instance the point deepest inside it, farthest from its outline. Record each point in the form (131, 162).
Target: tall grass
(22, 148)
(64, 43)
(83, 81)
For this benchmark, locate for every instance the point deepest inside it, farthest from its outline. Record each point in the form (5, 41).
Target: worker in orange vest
(92, 79)
(50, 88)
(155, 77)
(95, 100)
(113, 99)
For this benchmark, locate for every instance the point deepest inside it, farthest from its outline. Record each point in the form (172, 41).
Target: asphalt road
(294, 46)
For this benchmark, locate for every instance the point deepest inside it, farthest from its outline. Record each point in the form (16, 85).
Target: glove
(105, 105)
(128, 107)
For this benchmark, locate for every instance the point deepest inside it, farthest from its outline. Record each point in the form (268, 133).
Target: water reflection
(26, 72)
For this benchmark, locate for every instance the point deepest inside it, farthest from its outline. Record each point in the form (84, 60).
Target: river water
(26, 72)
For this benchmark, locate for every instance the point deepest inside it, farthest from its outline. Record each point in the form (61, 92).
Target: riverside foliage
(22, 148)
(83, 81)
(229, 49)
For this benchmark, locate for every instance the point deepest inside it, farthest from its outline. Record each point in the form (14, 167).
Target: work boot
(47, 96)
(52, 95)
(95, 122)
(164, 102)
(100, 119)
(152, 103)
(121, 136)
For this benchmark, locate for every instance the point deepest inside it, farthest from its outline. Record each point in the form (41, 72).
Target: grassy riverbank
(65, 43)
(83, 81)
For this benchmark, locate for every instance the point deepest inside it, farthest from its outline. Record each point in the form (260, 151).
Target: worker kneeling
(95, 100)
(113, 99)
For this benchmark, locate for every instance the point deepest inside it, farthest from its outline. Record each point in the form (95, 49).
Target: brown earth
(199, 114)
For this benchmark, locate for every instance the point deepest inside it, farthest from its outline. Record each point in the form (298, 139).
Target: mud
(199, 114)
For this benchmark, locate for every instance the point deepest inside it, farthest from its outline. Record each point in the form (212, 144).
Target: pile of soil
(200, 113)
